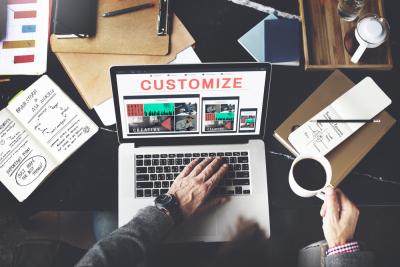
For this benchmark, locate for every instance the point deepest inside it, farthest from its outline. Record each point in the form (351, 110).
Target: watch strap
(172, 208)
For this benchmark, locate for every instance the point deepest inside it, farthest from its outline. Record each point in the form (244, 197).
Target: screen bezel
(203, 67)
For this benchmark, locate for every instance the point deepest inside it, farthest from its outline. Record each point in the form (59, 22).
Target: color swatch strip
(18, 44)
(17, 2)
(25, 14)
(28, 28)
(24, 59)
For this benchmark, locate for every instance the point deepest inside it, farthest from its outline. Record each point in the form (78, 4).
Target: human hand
(339, 218)
(195, 182)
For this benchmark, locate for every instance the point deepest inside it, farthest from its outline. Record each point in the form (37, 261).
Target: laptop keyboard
(155, 173)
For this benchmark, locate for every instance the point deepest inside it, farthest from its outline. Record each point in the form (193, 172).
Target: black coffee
(309, 174)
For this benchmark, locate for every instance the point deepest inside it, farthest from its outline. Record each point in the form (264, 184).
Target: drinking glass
(349, 10)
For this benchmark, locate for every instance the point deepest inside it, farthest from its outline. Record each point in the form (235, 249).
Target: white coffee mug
(302, 192)
(371, 32)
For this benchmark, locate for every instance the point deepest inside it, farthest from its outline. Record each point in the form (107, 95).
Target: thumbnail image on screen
(185, 116)
(219, 114)
(247, 120)
(162, 115)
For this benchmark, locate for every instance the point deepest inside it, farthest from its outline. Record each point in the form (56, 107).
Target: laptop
(169, 115)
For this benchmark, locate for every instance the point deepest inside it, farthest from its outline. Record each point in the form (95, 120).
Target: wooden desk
(324, 34)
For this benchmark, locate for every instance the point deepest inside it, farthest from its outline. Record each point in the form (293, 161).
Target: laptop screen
(190, 100)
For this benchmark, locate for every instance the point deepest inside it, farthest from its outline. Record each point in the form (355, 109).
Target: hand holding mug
(339, 217)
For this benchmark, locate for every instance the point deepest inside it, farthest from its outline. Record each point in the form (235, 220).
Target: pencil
(127, 10)
(5, 80)
(347, 121)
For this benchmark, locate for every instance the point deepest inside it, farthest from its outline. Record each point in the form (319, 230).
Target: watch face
(163, 199)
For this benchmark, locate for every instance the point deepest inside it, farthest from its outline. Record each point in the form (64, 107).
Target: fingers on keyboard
(155, 173)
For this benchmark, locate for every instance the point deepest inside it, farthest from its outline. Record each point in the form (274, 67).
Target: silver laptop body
(241, 142)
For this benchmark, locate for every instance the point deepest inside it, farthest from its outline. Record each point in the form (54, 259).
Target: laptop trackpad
(198, 228)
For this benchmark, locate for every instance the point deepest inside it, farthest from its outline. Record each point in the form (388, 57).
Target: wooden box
(324, 33)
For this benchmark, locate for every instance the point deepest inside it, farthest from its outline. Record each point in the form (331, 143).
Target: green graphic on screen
(226, 116)
(159, 109)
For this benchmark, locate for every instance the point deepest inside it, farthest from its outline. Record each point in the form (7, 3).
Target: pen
(127, 10)
(346, 121)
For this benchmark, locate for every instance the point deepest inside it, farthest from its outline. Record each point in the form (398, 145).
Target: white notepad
(364, 101)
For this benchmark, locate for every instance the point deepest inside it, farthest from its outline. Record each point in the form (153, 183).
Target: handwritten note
(313, 137)
(39, 129)
(59, 125)
(23, 162)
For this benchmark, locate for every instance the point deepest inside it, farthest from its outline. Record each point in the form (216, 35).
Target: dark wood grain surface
(324, 34)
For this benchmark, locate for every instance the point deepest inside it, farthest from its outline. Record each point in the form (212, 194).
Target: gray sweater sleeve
(314, 256)
(354, 259)
(128, 245)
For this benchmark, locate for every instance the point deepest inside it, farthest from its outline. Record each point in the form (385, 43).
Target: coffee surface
(309, 174)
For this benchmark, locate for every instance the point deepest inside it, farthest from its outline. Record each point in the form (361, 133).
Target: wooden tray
(323, 37)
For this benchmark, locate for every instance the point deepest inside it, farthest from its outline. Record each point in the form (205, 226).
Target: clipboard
(94, 83)
(133, 33)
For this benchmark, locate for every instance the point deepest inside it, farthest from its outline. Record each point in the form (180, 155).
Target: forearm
(128, 245)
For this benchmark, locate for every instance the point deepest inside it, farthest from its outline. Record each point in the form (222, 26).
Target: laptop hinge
(180, 142)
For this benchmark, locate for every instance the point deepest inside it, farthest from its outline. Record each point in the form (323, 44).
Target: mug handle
(357, 55)
(321, 194)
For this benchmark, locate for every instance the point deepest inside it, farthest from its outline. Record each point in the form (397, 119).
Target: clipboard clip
(164, 18)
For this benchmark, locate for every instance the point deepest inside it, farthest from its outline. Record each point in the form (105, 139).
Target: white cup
(371, 32)
(302, 192)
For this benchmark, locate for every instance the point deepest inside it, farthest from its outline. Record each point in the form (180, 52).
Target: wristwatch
(168, 204)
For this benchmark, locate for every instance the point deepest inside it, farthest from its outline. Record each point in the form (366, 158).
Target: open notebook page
(52, 118)
(364, 101)
(24, 163)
